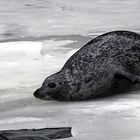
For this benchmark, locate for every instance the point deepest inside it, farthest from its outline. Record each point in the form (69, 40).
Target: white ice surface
(23, 68)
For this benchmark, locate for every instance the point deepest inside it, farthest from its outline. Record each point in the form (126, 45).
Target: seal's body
(108, 63)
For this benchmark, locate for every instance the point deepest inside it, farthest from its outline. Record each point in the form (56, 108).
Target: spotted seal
(107, 64)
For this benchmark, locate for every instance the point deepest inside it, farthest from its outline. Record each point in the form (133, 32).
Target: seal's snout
(38, 94)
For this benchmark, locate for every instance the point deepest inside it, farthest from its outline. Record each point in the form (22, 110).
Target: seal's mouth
(56, 95)
(39, 95)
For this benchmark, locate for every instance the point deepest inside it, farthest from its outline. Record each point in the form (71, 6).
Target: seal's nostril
(39, 94)
(52, 85)
(36, 93)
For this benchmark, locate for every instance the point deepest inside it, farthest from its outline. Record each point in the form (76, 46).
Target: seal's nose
(38, 94)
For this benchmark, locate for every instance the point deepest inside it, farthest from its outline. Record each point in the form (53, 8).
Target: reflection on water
(25, 64)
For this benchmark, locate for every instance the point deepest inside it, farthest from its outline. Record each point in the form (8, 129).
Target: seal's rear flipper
(36, 134)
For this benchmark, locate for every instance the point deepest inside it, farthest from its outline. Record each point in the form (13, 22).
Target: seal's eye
(52, 85)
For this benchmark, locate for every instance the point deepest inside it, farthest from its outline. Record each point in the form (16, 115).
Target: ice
(31, 49)
(19, 120)
(24, 58)
(22, 72)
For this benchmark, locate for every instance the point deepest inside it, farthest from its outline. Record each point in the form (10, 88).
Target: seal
(108, 64)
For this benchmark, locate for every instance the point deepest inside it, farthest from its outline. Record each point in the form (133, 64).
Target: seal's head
(54, 87)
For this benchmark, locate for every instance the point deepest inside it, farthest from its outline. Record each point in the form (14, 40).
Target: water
(37, 38)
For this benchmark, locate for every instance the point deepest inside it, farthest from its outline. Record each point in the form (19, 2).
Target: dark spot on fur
(78, 88)
(87, 79)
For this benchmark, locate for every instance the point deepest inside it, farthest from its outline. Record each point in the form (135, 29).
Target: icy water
(37, 37)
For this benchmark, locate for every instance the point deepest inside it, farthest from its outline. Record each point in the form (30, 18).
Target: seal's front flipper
(131, 77)
(124, 82)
